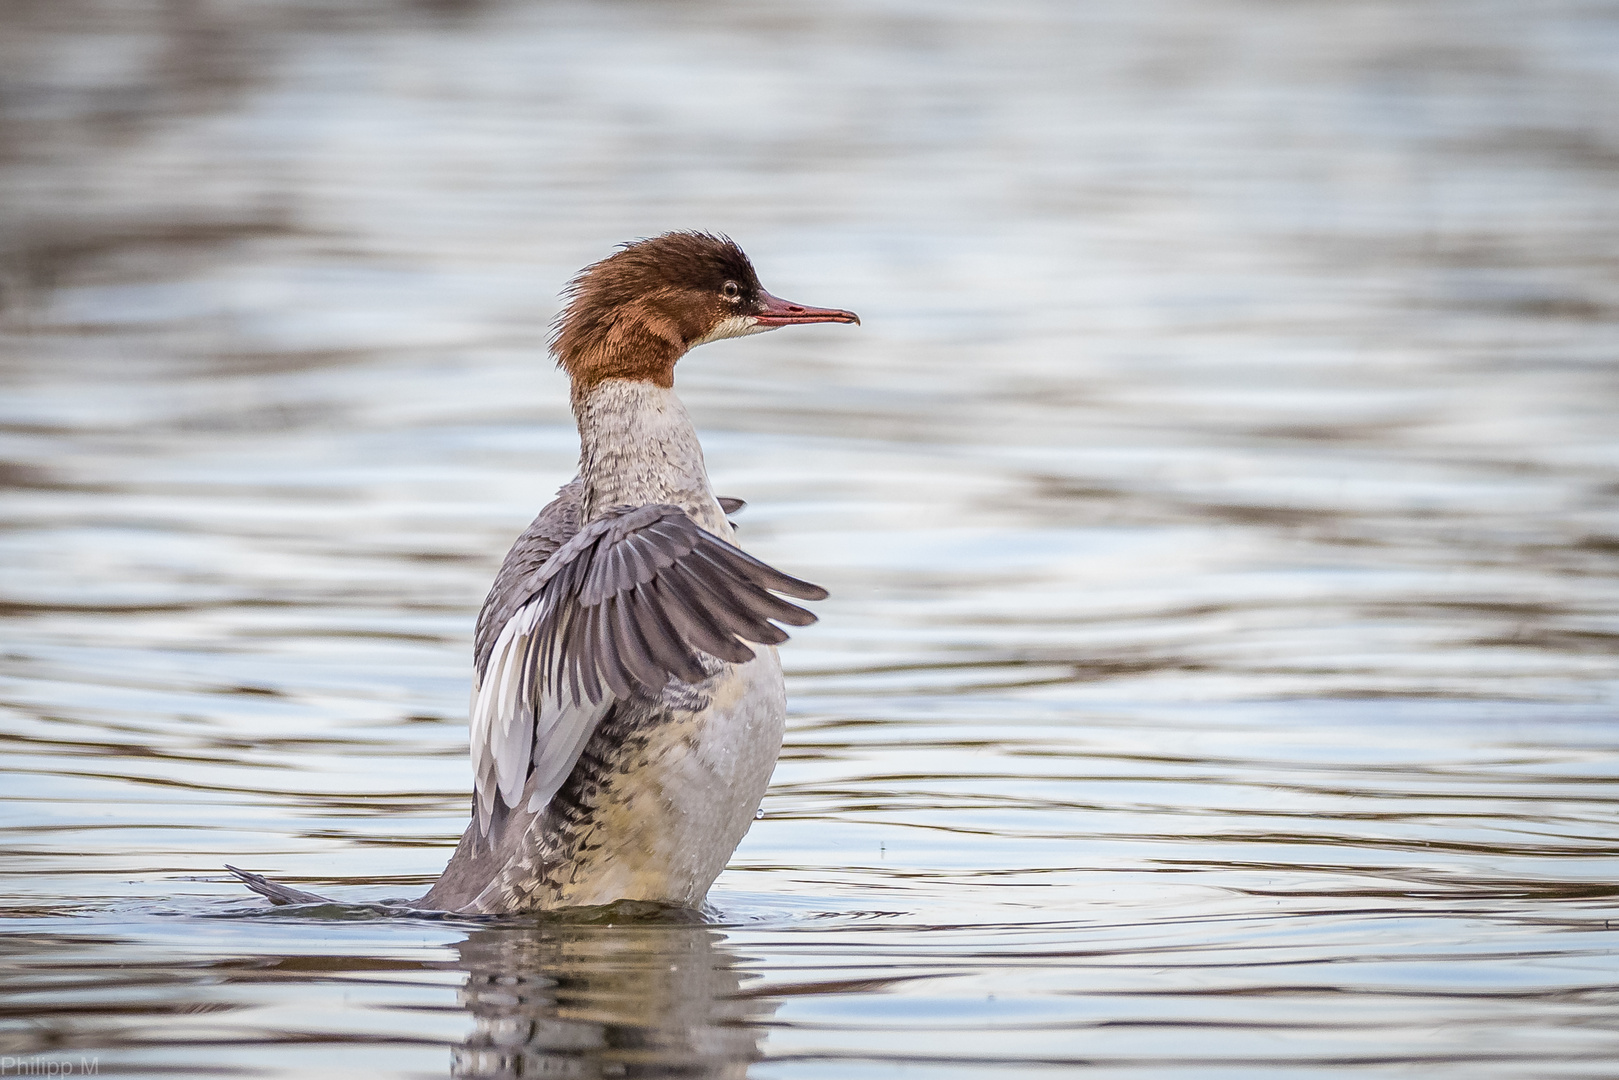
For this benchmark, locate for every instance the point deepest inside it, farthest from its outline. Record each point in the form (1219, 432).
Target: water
(1220, 505)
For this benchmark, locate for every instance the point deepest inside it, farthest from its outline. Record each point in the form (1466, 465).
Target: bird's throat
(637, 446)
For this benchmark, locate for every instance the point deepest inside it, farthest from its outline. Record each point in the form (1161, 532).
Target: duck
(628, 703)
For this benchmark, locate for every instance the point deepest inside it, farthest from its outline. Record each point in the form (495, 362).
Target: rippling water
(1220, 506)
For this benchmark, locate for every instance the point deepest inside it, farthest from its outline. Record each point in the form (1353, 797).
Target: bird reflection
(606, 998)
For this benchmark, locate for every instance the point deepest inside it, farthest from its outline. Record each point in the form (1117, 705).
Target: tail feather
(274, 892)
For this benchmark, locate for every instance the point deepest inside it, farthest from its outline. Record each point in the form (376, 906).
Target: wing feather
(633, 650)
(761, 603)
(683, 601)
(617, 608)
(662, 636)
(745, 566)
(714, 600)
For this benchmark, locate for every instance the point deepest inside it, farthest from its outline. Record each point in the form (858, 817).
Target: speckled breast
(661, 796)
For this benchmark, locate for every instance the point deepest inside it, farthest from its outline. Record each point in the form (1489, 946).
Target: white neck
(637, 446)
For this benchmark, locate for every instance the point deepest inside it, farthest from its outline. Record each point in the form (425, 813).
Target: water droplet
(759, 813)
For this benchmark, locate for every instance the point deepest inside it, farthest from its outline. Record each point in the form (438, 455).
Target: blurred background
(1220, 504)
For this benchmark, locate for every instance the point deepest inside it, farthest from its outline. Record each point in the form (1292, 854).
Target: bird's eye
(731, 290)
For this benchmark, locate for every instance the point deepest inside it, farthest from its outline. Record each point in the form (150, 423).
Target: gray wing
(520, 572)
(635, 597)
(640, 594)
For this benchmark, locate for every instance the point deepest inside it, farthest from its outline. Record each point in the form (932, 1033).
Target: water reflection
(607, 999)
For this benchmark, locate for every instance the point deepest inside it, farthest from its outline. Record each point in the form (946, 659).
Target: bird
(628, 703)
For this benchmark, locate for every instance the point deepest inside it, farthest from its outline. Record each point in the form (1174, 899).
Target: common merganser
(622, 728)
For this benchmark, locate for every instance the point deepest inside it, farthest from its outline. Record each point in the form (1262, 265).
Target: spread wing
(520, 572)
(637, 596)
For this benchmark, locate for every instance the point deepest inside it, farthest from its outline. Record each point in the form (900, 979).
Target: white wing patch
(520, 721)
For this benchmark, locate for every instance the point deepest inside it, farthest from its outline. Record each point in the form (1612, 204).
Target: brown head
(635, 313)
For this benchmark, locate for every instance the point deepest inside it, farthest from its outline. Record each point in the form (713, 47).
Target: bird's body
(666, 786)
(622, 729)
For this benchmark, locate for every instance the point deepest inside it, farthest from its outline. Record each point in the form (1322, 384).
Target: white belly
(672, 821)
